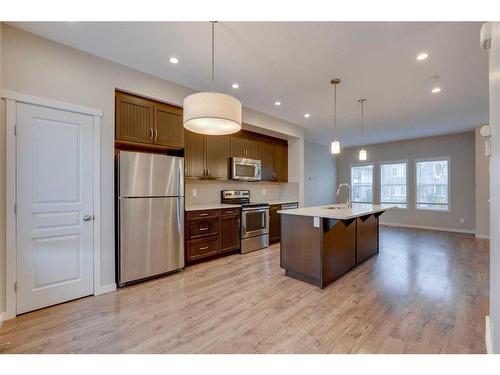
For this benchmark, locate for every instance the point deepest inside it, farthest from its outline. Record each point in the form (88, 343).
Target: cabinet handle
(203, 214)
(151, 133)
(156, 134)
(204, 248)
(202, 229)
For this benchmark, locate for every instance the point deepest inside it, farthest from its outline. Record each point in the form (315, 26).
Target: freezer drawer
(150, 175)
(151, 239)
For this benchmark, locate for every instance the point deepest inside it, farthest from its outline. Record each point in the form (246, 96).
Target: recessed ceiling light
(422, 56)
(435, 90)
(307, 115)
(174, 60)
(235, 86)
(277, 103)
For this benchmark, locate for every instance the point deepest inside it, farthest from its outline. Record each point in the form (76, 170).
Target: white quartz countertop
(340, 212)
(214, 206)
(279, 201)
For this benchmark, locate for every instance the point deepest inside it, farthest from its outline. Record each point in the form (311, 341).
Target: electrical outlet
(194, 192)
(263, 191)
(462, 220)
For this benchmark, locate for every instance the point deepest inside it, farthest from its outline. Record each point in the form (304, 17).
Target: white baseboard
(105, 289)
(441, 229)
(487, 336)
(483, 236)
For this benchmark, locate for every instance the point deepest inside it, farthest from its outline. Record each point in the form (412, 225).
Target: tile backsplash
(208, 192)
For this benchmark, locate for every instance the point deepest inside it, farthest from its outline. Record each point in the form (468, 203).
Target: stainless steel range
(254, 219)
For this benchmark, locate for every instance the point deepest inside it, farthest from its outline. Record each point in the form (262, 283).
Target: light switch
(194, 192)
(316, 222)
(263, 191)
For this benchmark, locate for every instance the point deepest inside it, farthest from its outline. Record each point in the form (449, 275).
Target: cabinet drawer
(230, 212)
(202, 249)
(201, 228)
(203, 214)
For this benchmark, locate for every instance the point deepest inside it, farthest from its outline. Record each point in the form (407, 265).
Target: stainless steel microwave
(245, 169)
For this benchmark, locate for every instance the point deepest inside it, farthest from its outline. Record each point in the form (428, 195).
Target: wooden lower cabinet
(211, 232)
(274, 223)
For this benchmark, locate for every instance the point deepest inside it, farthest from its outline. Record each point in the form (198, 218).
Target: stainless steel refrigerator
(150, 215)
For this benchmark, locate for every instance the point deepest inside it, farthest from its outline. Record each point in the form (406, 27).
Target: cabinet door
(237, 145)
(266, 156)
(274, 223)
(217, 156)
(251, 146)
(134, 118)
(169, 130)
(281, 160)
(194, 154)
(230, 227)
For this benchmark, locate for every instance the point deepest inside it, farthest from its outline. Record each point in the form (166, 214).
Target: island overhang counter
(320, 244)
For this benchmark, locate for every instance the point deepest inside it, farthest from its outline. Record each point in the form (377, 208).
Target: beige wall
(37, 66)
(320, 175)
(482, 188)
(2, 188)
(494, 80)
(460, 149)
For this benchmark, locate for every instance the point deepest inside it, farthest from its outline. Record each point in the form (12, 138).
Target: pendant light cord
(362, 101)
(213, 55)
(335, 111)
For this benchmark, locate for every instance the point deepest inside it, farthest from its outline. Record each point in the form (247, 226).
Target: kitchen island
(320, 244)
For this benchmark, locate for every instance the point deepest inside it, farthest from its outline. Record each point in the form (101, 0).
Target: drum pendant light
(335, 144)
(362, 152)
(212, 113)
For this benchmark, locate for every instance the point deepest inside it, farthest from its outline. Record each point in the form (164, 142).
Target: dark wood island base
(323, 253)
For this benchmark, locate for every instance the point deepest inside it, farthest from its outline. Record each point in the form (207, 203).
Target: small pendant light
(212, 113)
(335, 144)
(362, 152)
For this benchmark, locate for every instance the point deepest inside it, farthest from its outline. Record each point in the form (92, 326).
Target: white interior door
(54, 206)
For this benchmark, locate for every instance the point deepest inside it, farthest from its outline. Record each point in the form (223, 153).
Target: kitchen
(202, 240)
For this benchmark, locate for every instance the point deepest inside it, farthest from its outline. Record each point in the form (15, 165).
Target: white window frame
(449, 183)
(373, 178)
(407, 203)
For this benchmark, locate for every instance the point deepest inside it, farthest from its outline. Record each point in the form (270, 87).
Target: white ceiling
(294, 61)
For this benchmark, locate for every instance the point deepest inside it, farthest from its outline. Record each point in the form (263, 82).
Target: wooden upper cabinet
(217, 156)
(237, 145)
(133, 118)
(281, 160)
(251, 146)
(194, 154)
(266, 156)
(168, 127)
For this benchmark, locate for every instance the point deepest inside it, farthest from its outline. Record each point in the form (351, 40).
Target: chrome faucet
(348, 201)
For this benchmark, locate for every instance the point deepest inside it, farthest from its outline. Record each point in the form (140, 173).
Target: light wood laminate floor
(426, 292)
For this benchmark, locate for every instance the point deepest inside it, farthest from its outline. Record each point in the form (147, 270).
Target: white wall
(460, 149)
(482, 188)
(494, 64)
(36, 66)
(320, 175)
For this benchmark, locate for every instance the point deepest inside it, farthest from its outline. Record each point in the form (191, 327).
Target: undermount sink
(338, 207)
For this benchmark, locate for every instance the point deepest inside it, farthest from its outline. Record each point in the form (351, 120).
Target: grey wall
(482, 182)
(460, 149)
(36, 66)
(494, 184)
(320, 175)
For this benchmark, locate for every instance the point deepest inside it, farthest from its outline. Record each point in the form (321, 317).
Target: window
(393, 184)
(432, 184)
(361, 182)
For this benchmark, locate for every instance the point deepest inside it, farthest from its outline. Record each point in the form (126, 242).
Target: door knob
(87, 217)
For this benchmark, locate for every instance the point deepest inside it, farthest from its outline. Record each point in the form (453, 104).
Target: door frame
(11, 100)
